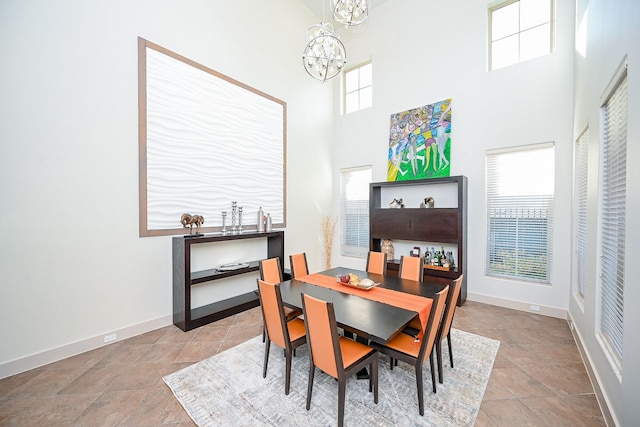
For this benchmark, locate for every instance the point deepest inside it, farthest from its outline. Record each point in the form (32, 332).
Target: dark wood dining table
(369, 319)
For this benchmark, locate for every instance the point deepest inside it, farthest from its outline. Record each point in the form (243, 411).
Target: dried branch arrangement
(328, 231)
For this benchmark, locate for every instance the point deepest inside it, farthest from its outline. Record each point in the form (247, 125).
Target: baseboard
(601, 397)
(33, 361)
(519, 305)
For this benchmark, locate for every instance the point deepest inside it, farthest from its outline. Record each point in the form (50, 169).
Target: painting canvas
(420, 143)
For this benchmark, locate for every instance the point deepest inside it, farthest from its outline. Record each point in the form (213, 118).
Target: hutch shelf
(444, 225)
(187, 318)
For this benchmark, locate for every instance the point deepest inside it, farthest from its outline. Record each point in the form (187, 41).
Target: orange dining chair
(337, 356)
(377, 263)
(299, 266)
(445, 325)
(271, 272)
(403, 346)
(288, 335)
(411, 268)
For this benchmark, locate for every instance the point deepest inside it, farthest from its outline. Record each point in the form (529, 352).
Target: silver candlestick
(224, 223)
(234, 210)
(240, 219)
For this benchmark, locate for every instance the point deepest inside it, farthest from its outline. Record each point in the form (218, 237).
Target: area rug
(228, 389)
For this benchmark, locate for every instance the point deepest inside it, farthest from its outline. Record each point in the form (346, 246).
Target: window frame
(524, 247)
(611, 295)
(357, 68)
(361, 248)
(502, 4)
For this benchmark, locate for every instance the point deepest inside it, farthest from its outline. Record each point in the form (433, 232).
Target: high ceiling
(317, 6)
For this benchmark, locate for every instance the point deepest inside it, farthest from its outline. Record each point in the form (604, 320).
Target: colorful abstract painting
(420, 143)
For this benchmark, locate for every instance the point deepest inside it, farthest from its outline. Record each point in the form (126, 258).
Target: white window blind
(520, 201)
(354, 211)
(581, 165)
(613, 218)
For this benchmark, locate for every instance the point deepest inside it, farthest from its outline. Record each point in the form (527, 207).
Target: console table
(184, 316)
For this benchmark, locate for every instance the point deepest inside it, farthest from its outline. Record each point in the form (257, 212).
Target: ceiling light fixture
(324, 56)
(350, 12)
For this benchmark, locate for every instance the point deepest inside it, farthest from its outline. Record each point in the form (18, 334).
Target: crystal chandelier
(350, 12)
(324, 56)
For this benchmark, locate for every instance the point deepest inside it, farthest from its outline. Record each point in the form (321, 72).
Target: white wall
(612, 30)
(428, 51)
(72, 267)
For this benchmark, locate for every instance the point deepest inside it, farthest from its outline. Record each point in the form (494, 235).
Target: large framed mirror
(205, 141)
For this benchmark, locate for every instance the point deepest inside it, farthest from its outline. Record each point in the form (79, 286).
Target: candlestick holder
(224, 223)
(234, 213)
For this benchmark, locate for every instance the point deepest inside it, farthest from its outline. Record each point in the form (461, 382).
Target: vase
(387, 248)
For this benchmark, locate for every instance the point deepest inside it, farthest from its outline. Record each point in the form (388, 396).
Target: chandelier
(324, 56)
(350, 12)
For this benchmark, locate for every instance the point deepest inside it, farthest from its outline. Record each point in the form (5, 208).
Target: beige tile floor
(538, 378)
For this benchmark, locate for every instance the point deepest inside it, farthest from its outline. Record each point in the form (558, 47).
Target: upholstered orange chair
(403, 346)
(337, 356)
(445, 325)
(377, 263)
(411, 268)
(299, 265)
(271, 272)
(288, 335)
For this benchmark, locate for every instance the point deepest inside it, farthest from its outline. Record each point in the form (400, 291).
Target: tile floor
(538, 378)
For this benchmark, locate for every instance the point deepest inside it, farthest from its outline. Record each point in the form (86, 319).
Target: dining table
(362, 312)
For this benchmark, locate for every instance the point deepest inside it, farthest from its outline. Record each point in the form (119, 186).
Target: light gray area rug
(228, 389)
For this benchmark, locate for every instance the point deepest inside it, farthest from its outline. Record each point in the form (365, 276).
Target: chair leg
(450, 349)
(342, 385)
(391, 364)
(287, 374)
(420, 388)
(373, 378)
(433, 372)
(264, 333)
(439, 357)
(312, 370)
(266, 358)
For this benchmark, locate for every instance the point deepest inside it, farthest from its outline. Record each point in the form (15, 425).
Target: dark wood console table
(187, 318)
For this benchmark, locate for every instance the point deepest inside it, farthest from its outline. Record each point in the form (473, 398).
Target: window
(613, 216)
(520, 30)
(519, 186)
(354, 211)
(581, 171)
(358, 89)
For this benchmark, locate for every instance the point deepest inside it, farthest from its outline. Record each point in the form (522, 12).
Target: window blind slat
(519, 220)
(581, 177)
(354, 212)
(613, 219)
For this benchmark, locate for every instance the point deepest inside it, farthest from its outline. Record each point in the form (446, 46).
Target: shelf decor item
(189, 221)
(387, 248)
(396, 204)
(428, 202)
(260, 221)
(234, 213)
(224, 223)
(328, 231)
